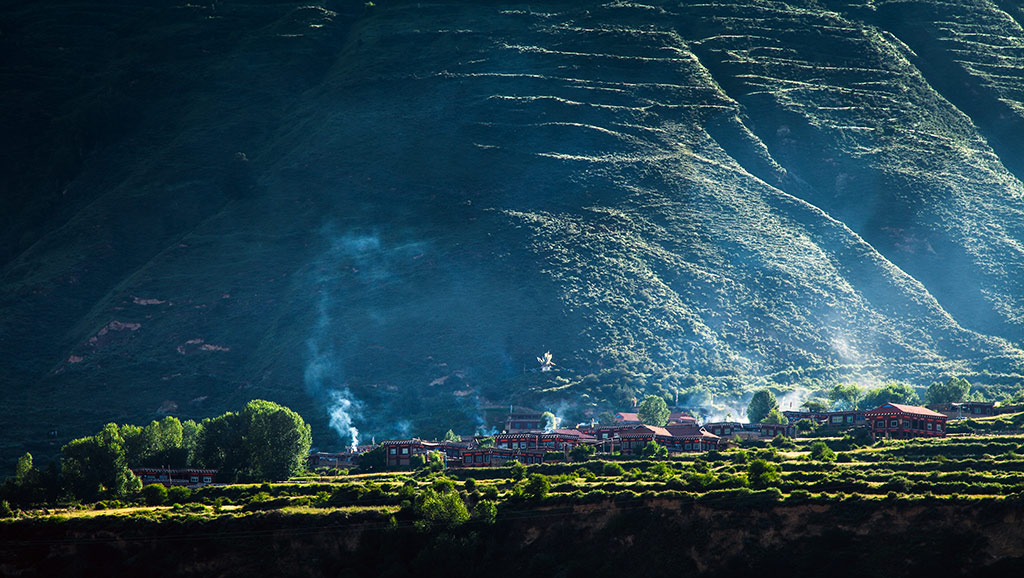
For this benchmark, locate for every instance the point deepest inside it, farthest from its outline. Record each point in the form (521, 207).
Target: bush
(179, 495)
(485, 511)
(762, 474)
(154, 494)
(822, 453)
(537, 487)
(612, 469)
(5, 510)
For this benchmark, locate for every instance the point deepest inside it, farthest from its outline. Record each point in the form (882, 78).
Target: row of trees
(263, 442)
(764, 407)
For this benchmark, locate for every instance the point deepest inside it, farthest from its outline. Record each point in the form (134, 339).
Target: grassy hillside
(392, 209)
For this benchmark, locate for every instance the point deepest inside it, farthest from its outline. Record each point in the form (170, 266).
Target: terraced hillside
(381, 214)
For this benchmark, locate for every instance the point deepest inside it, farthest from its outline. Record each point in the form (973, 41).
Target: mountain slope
(382, 214)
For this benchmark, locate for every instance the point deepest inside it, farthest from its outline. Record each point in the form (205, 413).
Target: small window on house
(405, 451)
(207, 479)
(894, 423)
(194, 479)
(929, 425)
(880, 423)
(393, 451)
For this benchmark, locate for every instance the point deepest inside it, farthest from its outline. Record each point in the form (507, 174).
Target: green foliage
(955, 389)
(95, 467)
(606, 418)
(485, 511)
(154, 494)
(653, 449)
(653, 411)
(451, 436)
(275, 443)
(775, 417)
(487, 442)
(783, 442)
(374, 460)
(892, 392)
(266, 441)
(761, 404)
(24, 470)
(762, 473)
(612, 469)
(582, 453)
(537, 487)
(440, 509)
(5, 510)
(815, 404)
(178, 495)
(846, 395)
(821, 452)
(516, 470)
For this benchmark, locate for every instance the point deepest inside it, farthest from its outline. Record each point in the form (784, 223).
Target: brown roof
(914, 409)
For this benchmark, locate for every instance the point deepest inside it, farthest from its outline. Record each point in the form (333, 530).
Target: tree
(444, 508)
(775, 417)
(95, 467)
(373, 460)
(485, 511)
(760, 405)
(653, 411)
(816, 405)
(219, 445)
(264, 442)
(892, 392)
(24, 471)
(276, 441)
(537, 487)
(451, 436)
(516, 470)
(653, 449)
(582, 453)
(608, 418)
(954, 390)
(848, 395)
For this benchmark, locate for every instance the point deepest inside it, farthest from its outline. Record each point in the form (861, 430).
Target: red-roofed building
(399, 452)
(897, 421)
(627, 418)
(676, 438)
(681, 418)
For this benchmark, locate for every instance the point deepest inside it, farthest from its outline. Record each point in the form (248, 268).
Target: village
(529, 437)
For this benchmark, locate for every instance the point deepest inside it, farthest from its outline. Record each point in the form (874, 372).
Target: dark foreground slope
(655, 537)
(390, 210)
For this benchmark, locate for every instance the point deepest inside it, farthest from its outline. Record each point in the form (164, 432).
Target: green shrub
(154, 494)
(179, 495)
(612, 469)
(485, 511)
(822, 453)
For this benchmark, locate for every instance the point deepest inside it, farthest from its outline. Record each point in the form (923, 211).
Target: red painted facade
(896, 421)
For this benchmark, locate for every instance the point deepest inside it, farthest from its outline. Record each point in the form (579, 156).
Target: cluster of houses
(526, 440)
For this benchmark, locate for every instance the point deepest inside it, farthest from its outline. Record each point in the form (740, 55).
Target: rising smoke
(324, 374)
